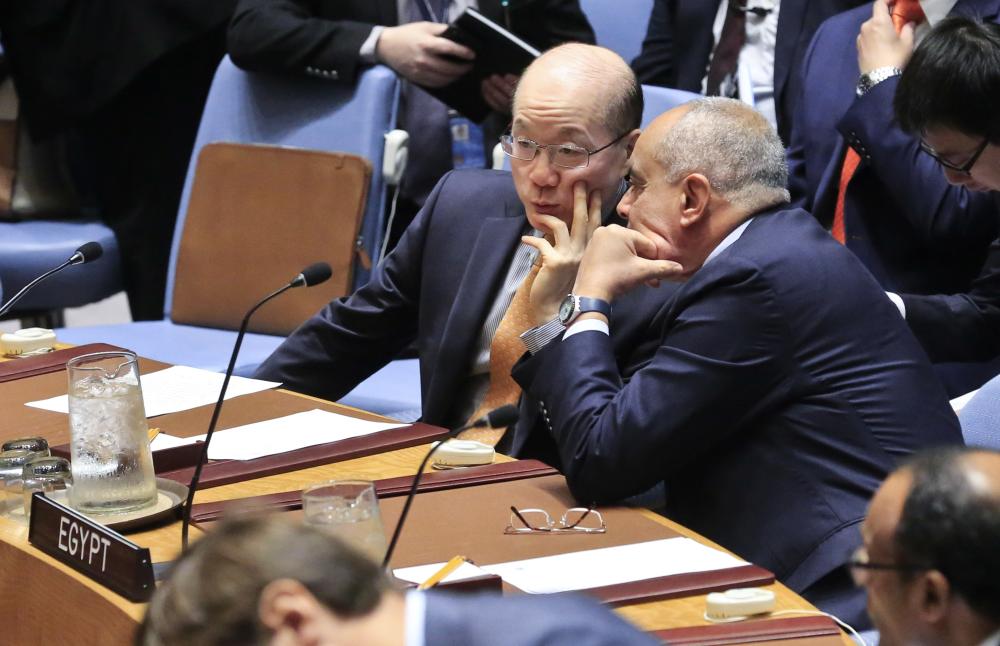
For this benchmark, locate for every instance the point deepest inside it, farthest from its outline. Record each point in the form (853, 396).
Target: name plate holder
(92, 549)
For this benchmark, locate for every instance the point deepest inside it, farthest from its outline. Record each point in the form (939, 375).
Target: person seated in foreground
(272, 581)
(930, 558)
(779, 385)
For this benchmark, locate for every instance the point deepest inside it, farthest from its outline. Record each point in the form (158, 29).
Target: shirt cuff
(367, 53)
(540, 336)
(897, 300)
(596, 325)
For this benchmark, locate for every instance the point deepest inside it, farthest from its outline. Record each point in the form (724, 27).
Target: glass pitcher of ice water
(349, 510)
(112, 465)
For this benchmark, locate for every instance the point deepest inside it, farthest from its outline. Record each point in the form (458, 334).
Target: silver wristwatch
(876, 76)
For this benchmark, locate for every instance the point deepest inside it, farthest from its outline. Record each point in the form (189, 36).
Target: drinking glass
(111, 462)
(349, 510)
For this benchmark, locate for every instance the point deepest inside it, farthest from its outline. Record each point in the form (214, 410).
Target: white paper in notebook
(288, 433)
(420, 573)
(175, 389)
(612, 565)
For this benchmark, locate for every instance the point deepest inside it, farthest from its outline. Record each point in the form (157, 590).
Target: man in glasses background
(948, 96)
(460, 284)
(930, 558)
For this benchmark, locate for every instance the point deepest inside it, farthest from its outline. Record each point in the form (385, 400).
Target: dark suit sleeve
(551, 22)
(960, 327)
(352, 337)
(718, 366)
(798, 183)
(944, 214)
(288, 36)
(655, 63)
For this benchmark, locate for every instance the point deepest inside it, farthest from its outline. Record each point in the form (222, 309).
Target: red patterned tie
(903, 12)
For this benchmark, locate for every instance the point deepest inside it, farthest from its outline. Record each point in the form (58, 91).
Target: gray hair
(732, 145)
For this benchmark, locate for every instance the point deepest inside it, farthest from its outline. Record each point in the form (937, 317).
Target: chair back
(980, 417)
(300, 112)
(257, 215)
(619, 25)
(657, 100)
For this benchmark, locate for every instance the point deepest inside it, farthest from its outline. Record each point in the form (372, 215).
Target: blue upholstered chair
(980, 417)
(32, 247)
(296, 112)
(620, 25)
(658, 100)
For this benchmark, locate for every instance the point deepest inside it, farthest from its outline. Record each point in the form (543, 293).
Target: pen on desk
(441, 574)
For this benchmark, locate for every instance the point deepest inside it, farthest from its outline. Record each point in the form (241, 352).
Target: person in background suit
(930, 558)
(126, 83)
(451, 284)
(948, 96)
(336, 39)
(852, 167)
(271, 581)
(684, 35)
(781, 385)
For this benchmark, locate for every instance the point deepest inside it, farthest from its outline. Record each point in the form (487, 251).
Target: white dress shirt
(755, 71)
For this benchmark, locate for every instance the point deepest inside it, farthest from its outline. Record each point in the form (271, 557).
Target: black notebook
(498, 51)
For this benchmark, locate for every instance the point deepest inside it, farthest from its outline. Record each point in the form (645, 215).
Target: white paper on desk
(175, 389)
(420, 573)
(612, 565)
(288, 433)
(164, 441)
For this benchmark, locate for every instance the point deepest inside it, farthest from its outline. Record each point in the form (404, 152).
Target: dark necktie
(725, 58)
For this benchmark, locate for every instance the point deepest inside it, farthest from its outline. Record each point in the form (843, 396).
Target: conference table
(41, 598)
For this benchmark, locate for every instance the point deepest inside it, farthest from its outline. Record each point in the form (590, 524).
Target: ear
(696, 193)
(933, 597)
(289, 611)
(630, 140)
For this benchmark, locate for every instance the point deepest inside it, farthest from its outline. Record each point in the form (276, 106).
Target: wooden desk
(33, 585)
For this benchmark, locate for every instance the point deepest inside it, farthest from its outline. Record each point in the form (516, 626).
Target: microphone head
(314, 274)
(502, 417)
(87, 252)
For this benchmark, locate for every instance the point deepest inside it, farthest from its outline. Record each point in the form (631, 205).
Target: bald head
(598, 79)
(728, 142)
(950, 521)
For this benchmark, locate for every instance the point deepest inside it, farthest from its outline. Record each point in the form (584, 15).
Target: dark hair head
(212, 593)
(951, 523)
(953, 80)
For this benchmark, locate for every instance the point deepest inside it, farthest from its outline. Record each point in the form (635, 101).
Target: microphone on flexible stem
(87, 252)
(501, 417)
(314, 274)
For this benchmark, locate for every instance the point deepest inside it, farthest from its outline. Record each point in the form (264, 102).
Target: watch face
(566, 308)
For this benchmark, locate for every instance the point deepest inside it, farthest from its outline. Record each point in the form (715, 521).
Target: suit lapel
(790, 20)
(492, 251)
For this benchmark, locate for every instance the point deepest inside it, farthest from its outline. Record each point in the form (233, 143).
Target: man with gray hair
(775, 388)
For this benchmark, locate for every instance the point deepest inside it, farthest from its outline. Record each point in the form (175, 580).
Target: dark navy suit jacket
(961, 327)
(914, 232)
(525, 620)
(435, 289)
(783, 387)
(679, 42)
